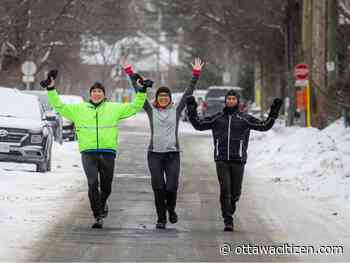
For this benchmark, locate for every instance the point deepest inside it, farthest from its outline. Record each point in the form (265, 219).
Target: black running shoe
(172, 216)
(160, 225)
(228, 227)
(98, 223)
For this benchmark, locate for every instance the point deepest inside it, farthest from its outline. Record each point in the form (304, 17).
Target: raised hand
(50, 81)
(198, 64)
(197, 67)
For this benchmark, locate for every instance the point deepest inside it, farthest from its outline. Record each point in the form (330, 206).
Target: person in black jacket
(231, 129)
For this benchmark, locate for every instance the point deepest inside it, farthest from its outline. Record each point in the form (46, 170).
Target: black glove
(137, 78)
(191, 103)
(145, 83)
(45, 83)
(275, 108)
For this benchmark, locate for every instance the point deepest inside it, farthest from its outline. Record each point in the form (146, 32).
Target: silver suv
(25, 135)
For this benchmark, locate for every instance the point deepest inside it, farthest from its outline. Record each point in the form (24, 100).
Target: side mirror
(49, 116)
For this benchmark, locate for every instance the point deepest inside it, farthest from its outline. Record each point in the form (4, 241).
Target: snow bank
(31, 202)
(316, 162)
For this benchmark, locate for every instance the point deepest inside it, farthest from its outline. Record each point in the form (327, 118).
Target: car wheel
(49, 164)
(45, 166)
(42, 167)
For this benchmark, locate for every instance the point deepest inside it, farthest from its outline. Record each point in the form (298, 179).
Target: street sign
(28, 79)
(29, 68)
(301, 71)
(300, 83)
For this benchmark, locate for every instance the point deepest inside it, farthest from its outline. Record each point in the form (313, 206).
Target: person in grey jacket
(163, 151)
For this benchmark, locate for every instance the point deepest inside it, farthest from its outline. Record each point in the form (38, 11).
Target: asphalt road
(129, 234)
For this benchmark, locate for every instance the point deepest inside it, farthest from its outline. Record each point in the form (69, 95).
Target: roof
(98, 52)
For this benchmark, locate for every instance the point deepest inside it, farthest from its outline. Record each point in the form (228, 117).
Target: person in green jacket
(96, 123)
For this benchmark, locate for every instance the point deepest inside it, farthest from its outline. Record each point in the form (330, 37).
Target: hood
(18, 123)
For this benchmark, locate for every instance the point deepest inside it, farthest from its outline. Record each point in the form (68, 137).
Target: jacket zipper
(240, 148)
(229, 135)
(97, 128)
(217, 147)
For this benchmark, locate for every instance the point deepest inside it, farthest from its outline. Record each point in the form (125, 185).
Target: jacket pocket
(236, 149)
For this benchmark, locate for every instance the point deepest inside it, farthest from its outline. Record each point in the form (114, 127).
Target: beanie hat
(97, 85)
(163, 90)
(233, 93)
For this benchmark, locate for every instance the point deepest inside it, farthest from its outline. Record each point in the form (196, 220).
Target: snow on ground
(31, 202)
(315, 162)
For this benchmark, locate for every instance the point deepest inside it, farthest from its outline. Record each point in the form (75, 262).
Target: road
(268, 214)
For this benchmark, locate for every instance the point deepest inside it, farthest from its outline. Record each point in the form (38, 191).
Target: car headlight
(66, 122)
(36, 138)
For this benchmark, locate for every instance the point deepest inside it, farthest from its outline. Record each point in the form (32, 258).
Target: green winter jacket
(97, 127)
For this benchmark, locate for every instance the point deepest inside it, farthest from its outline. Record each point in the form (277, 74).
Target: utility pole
(307, 46)
(290, 58)
(319, 59)
(332, 59)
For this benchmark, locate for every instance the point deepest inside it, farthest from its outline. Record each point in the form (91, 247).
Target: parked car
(25, 135)
(6, 89)
(68, 130)
(55, 120)
(200, 98)
(215, 98)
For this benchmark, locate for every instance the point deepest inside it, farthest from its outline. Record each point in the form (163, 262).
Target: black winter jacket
(231, 132)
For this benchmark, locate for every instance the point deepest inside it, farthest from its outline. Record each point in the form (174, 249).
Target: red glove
(196, 73)
(128, 70)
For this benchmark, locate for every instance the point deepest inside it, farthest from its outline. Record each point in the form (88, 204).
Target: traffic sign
(28, 78)
(301, 71)
(29, 68)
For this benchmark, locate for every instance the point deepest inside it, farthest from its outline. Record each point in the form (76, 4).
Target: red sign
(301, 71)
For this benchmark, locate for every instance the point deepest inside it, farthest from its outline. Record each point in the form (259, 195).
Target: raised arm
(66, 110)
(135, 79)
(196, 71)
(264, 125)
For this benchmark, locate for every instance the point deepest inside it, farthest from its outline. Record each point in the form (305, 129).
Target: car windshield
(20, 106)
(42, 95)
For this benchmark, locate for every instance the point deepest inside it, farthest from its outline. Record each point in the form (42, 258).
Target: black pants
(99, 170)
(165, 170)
(230, 177)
